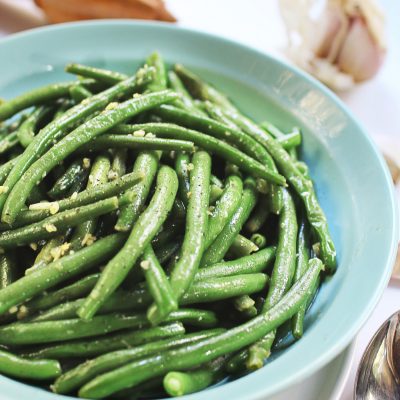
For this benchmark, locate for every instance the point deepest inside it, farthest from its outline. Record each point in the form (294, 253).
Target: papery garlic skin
(341, 44)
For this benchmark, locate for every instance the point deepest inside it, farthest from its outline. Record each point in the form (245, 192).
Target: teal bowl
(352, 181)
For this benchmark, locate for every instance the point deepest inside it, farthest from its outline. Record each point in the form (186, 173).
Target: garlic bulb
(341, 42)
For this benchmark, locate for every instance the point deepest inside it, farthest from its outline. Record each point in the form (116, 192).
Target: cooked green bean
(224, 209)
(81, 135)
(9, 142)
(208, 349)
(35, 96)
(105, 344)
(209, 143)
(98, 175)
(102, 75)
(141, 235)
(79, 93)
(215, 193)
(242, 246)
(182, 383)
(137, 143)
(118, 166)
(8, 269)
(182, 165)
(258, 216)
(287, 141)
(224, 240)
(59, 222)
(83, 373)
(259, 240)
(6, 168)
(18, 367)
(59, 271)
(159, 81)
(196, 225)
(158, 285)
(146, 164)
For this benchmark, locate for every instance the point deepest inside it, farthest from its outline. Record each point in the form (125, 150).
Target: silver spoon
(378, 375)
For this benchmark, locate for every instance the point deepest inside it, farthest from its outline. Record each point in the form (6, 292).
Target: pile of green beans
(152, 238)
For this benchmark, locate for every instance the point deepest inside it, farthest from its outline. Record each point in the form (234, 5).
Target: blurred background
(353, 46)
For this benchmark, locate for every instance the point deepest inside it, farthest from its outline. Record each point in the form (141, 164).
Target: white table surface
(256, 23)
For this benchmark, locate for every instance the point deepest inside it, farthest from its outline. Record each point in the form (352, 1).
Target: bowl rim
(341, 343)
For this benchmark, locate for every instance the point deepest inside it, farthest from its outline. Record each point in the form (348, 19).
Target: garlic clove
(360, 55)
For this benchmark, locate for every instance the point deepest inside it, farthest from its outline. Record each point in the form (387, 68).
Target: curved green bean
(102, 75)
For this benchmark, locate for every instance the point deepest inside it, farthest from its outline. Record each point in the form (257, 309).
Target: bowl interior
(351, 180)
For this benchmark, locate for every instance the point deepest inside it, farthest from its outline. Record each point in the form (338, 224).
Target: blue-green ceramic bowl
(352, 181)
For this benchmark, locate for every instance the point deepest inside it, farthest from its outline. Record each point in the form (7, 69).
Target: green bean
(259, 240)
(34, 97)
(83, 373)
(64, 183)
(147, 165)
(302, 258)
(287, 141)
(68, 329)
(98, 175)
(6, 168)
(18, 367)
(60, 222)
(137, 143)
(59, 271)
(159, 81)
(81, 135)
(118, 167)
(185, 98)
(242, 246)
(102, 75)
(214, 128)
(159, 287)
(166, 251)
(79, 93)
(214, 180)
(199, 89)
(215, 193)
(207, 350)
(57, 128)
(196, 225)
(40, 211)
(75, 290)
(243, 303)
(224, 240)
(209, 143)
(9, 142)
(45, 254)
(182, 383)
(224, 208)
(303, 187)
(26, 131)
(182, 162)
(141, 235)
(259, 215)
(8, 272)
(106, 344)
(256, 262)
(282, 275)
(217, 114)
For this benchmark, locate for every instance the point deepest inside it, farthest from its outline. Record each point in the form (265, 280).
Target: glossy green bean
(9, 142)
(215, 193)
(224, 208)
(158, 285)
(147, 165)
(256, 262)
(182, 161)
(259, 240)
(196, 225)
(79, 93)
(182, 383)
(208, 143)
(59, 271)
(106, 344)
(33, 97)
(67, 120)
(59, 222)
(8, 269)
(288, 140)
(118, 166)
(206, 350)
(141, 235)
(242, 246)
(258, 216)
(102, 75)
(224, 240)
(18, 367)
(6, 168)
(159, 81)
(83, 373)
(137, 143)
